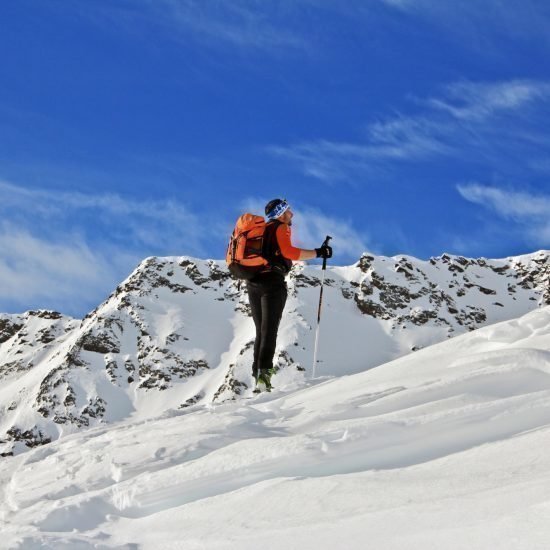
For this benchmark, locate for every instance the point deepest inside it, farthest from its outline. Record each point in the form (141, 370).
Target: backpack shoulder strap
(270, 245)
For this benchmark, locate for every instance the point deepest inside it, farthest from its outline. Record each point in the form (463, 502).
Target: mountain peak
(178, 332)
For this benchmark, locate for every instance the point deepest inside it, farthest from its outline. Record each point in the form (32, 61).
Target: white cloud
(482, 24)
(470, 118)
(531, 213)
(245, 24)
(407, 138)
(68, 250)
(239, 22)
(65, 275)
(141, 223)
(325, 160)
(478, 101)
(510, 204)
(312, 226)
(403, 4)
(395, 140)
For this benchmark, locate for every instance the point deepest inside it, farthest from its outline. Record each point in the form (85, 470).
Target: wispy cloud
(399, 139)
(471, 101)
(139, 223)
(510, 204)
(312, 226)
(325, 160)
(68, 250)
(286, 25)
(466, 117)
(482, 24)
(403, 4)
(530, 212)
(245, 24)
(66, 274)
(241, 22)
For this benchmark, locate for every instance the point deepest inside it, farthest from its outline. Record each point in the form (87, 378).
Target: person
(267, 290)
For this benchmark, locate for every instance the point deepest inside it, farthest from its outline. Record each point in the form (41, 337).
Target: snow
(443, 448)
(177, 332)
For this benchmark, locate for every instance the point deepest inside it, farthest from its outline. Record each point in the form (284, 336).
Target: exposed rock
(192, 400)
(45, 314)
(8, 329)
(370, 307)
(192, 271)
(305, 281)
(231, 387)
(365, 262)
(347, 293)
(12, 367)
(217, 274)
(422, 316)
(31, 438)
(95, 408)
(99, 343)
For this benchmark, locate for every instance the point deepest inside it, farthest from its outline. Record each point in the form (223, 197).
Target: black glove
(324, 252)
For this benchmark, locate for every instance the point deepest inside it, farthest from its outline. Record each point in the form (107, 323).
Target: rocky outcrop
(9, 326)
(448, 290)
(32, 437)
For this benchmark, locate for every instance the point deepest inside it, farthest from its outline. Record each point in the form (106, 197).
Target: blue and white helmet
(276, 208)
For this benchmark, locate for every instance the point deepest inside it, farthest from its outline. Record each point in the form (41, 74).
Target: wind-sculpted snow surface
(444, 448)
(178, 332)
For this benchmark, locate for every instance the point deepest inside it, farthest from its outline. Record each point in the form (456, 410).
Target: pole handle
(326, 243)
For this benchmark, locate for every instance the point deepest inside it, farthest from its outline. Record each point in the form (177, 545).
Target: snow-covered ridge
(444, 448)
(177, 332)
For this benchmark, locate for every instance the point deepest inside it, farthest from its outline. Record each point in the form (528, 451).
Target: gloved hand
(324, 252)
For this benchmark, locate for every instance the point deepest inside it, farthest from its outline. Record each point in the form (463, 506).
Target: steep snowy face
(178, 331)
(26, 342)
(142, 351)
(26, 339)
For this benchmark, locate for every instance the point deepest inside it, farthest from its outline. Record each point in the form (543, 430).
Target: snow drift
(443, 448)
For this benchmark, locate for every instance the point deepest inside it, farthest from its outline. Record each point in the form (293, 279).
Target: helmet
(276, 208)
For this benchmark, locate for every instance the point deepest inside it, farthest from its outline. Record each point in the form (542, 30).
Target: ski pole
(325, 243)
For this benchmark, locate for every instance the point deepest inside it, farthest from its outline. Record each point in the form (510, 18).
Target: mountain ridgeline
(177, 333)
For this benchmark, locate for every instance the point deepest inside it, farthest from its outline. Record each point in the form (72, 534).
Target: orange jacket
(283, 235)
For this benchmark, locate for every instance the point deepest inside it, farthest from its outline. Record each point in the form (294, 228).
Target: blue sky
(133, 128)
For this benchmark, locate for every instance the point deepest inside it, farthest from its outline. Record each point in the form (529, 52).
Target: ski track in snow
(443, 448)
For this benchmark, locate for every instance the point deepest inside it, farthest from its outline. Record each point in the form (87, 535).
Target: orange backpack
(244, 253)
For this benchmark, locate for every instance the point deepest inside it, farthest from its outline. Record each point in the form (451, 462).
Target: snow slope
(178, 332)
(444, 448)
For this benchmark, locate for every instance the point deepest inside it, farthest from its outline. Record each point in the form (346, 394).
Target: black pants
(267, 295)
